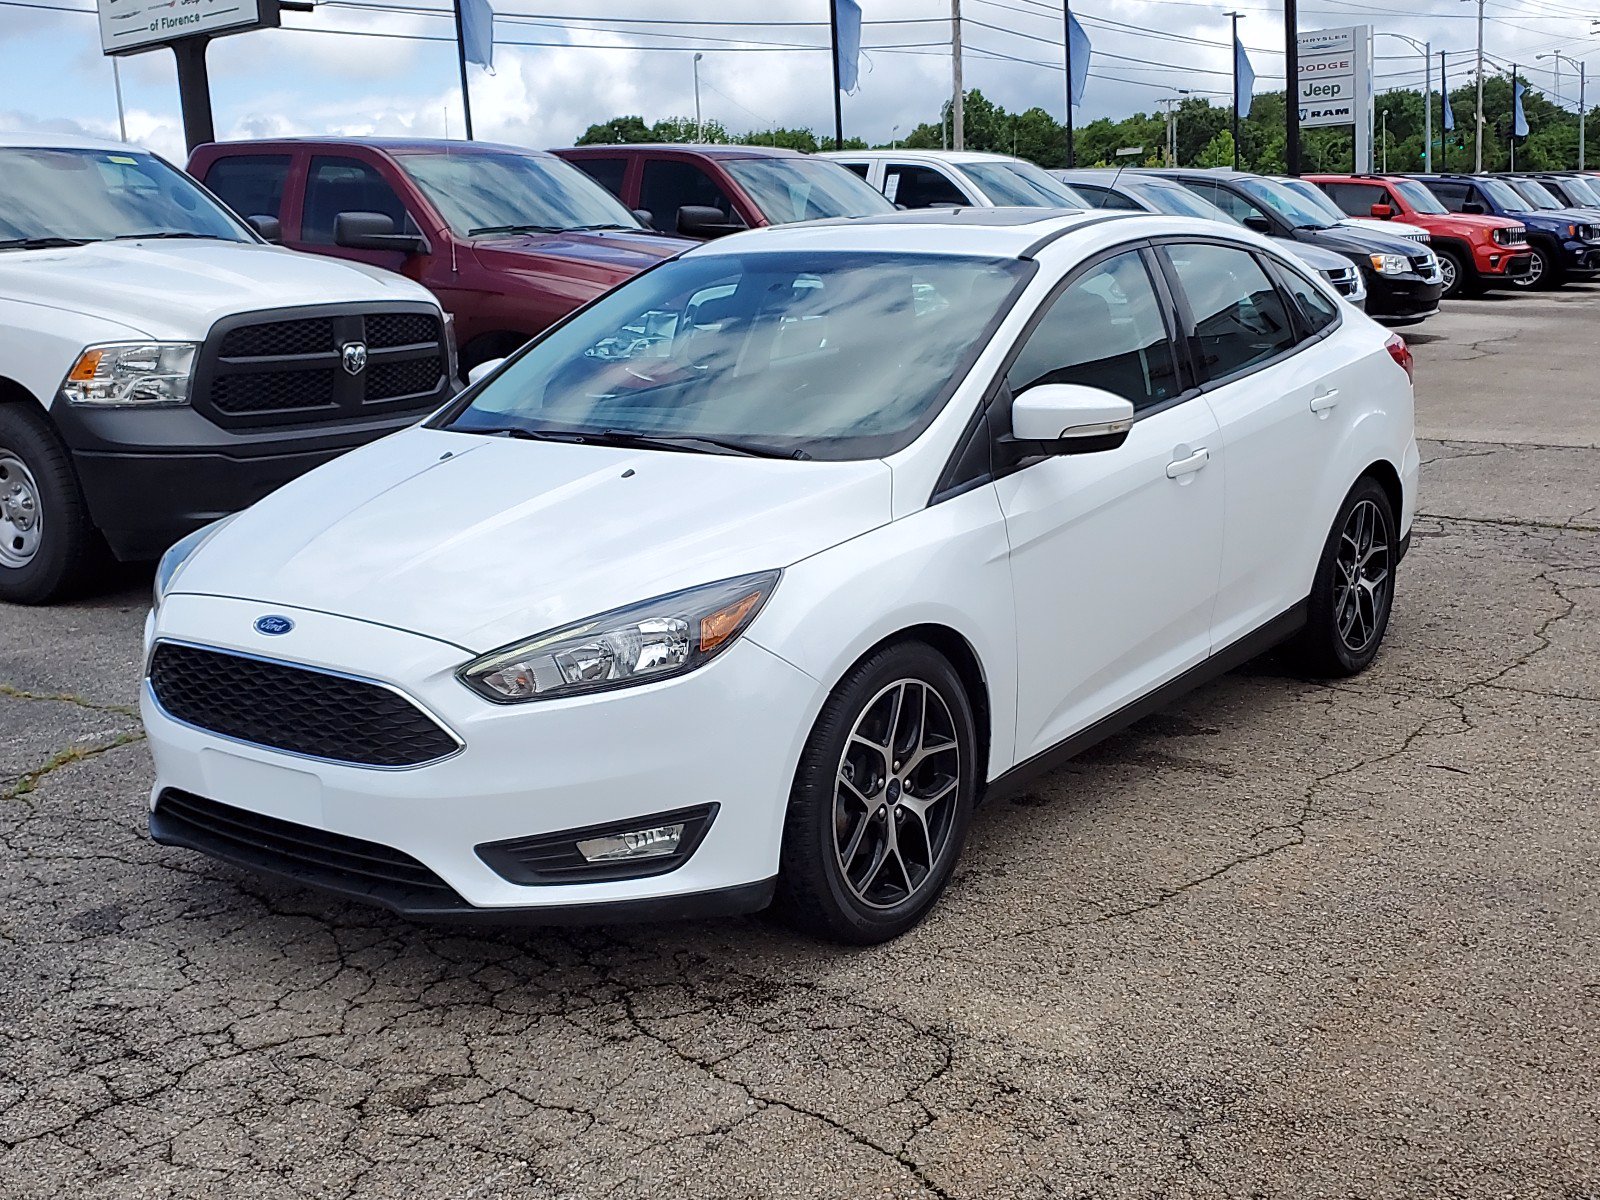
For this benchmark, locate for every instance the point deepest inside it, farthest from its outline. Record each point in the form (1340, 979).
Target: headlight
(1390, 264)
(132, 373)
(178, 554)
(660, 638)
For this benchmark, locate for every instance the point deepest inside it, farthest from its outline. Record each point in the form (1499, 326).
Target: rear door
(1261, 338)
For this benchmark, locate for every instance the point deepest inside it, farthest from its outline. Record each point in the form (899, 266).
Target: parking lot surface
(1281, 939)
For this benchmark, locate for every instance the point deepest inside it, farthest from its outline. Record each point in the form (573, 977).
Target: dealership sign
(1335, 84)
(127, 26)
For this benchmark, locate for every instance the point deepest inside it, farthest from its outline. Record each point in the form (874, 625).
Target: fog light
(1494, 260)
(634, 844)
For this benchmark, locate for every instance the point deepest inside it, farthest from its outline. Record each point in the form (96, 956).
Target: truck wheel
(48, 548)
(1454, 275)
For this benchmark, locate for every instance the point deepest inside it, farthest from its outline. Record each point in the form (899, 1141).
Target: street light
(1582, 85)
(1172, 124)
(1427, 98)
(699, 129)
(1386, 141)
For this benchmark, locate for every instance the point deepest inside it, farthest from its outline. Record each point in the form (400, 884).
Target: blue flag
(1246, 78)
(1519, 123)
(1444, 90)
(848, 15)
(477, 31)
(1078, 40)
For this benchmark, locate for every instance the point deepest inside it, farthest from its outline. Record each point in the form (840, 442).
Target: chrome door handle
(1322, 403)
(1188, 466)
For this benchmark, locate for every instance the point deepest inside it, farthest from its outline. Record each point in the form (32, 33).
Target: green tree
(1218, 151)
(618, 130)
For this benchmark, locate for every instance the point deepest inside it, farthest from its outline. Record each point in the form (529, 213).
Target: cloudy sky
(613, 60)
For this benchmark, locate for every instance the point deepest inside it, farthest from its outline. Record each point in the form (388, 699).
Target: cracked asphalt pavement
(1282, 939)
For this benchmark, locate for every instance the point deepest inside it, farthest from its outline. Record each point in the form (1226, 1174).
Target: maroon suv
(510, 240)
(706, 191)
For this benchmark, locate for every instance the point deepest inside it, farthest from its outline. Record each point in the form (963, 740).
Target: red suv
(1475, 252)
(510, 240)
(707, 191)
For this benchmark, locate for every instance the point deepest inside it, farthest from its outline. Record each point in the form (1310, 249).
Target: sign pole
(1427, 108)
(194, 90)
(1234, 17)
(1291, 78)
(1066, 34)
(461, 61)
(838, 103)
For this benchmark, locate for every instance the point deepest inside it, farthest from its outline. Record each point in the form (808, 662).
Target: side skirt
(1252, 645)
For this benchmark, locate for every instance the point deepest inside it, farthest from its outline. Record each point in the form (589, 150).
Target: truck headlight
(657, 639)
(132, 374)
(1390, 264)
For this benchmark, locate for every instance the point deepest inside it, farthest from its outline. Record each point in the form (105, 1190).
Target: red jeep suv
(1475, 252)
(510, 240)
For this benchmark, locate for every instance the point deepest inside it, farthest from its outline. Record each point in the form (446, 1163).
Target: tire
(1540, 273)
(1458, 280)
(856, 804)
(1344, 624)
(48, 547)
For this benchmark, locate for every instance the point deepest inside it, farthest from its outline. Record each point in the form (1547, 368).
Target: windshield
(1315, 198)
(822, 354)
(1418, 197)
(1582, 190)
(798, 189)
(1289, 205)
(1503, 196)
(1536, 194)
(1178, 201)
(1021, 184)
(494, 191)
(96, 195)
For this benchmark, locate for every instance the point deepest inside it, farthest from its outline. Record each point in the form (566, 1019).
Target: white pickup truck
(162, 366)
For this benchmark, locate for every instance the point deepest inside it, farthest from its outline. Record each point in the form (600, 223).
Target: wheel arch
(12, 392)
(1388, 478)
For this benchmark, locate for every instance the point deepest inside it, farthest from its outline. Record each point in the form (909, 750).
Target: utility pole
(1444, 99)
(1234, 17)
(1427, 96)
(1582, 98)
(838, 103)
(122, 120)
(1291, 91)
(461, 62)
(1513, 116)
(1478, 158)
(1066, 39)
(958, 133)
(699, 129)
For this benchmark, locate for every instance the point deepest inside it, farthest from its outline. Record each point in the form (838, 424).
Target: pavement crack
(12, 692)
(64, 758)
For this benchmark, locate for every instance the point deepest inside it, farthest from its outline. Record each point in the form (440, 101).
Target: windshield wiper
(594, 228)
(482, 229)
(166, 233)
(692, 443)
(42, 243)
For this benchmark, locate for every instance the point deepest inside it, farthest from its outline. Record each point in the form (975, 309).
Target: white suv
(958, 179)
(161, 365)
(750, 579)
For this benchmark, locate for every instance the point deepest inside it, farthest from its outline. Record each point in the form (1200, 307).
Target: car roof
(708, 149)
(1198, 173)
(39, 140)
(950, 156)
(392, 145)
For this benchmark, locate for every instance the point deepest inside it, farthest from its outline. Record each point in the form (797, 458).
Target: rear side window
(1106, 330)
(250, 184)
(607, 172)
(859, 168)
(1354, 199)
(921, 187)
(341, 185)
(1104, 197)
(1240, 319)
(670, 184)
(1451, 195)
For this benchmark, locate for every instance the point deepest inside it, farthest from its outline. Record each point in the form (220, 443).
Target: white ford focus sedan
(747, 582)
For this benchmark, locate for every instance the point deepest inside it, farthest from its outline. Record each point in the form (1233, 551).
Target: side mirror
(484, 369)
(268, 227)
(1068, 418)
(704, 221)
(1473, 208)
(1258, 224)
(645, 217)
(1382, 211)
(374, 231)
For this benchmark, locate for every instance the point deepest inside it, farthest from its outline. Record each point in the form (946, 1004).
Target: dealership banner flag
(1520, 122)
(1444, 90)
(1246, 78)
(477, 32)
(848, 14)
(1082, 48)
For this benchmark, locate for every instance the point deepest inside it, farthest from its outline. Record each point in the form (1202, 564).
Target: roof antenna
(453, 269)
(1124, 154)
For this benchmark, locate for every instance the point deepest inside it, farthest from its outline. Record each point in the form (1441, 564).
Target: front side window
(1356, 199)
(669, 184)
(341, 185)
(1313, 199)
(1106, 330)
(1536, 194)
(1419, 197)
(607, 172)
(825, 354)
(1240, 319)
(856, 168)
(250, 184)
(1451, 195)
(1504, 197)
(921, 187)
(799, 189)
(1104, 197)
(60, 195)
(1236, 206)
(1176, 200)
(486, 192)
(1296, 210)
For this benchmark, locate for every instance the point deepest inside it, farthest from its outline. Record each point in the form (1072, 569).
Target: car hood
(1356, 241)
(178, 288)
(1400, 229)
(1459, 223)
(480, 541)
(1316, 257)
(609, 255)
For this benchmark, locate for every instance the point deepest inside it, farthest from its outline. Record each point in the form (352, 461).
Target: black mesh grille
(313, 856)
(278, 391)
(310, 336)
(294, 709)
(401, 329)
(409, 377)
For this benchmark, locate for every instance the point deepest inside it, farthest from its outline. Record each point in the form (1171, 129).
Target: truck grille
(1588, 233)
(1419, 236)
(286, 707)
(263, 369)
(1512, 236)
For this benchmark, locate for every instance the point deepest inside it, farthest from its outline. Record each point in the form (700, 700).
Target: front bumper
(729, 734)
(151, 476)
(1401, 299)
(1580, 258)
(1500, 264)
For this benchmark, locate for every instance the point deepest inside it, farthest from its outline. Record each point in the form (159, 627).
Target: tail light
(1401, 353)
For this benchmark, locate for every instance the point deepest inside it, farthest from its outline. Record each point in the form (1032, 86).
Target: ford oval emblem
(273, 626)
